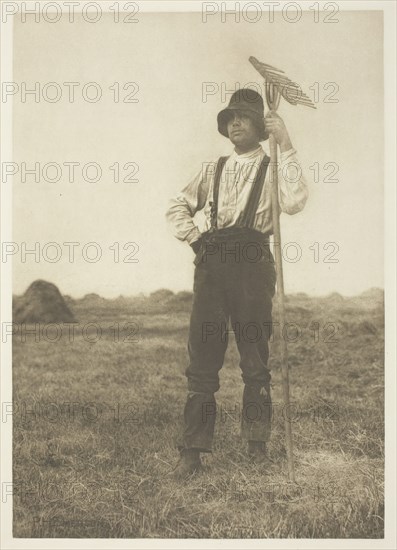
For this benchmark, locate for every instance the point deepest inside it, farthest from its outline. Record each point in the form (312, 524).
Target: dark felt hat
(249, 102)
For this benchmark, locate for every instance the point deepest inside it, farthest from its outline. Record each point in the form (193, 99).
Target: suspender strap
(247, 218)
(214, 204)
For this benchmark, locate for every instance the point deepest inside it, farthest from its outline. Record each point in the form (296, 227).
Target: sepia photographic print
(198, 274)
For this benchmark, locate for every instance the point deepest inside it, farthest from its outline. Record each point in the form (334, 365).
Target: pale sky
(171, 131)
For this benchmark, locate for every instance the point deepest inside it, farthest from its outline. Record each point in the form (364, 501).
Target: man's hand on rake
(274, 124)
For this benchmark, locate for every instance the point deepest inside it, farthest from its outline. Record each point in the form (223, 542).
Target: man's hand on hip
(196, 245)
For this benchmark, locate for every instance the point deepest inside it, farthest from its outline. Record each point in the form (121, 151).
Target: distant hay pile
(42, 303)
(93, 300)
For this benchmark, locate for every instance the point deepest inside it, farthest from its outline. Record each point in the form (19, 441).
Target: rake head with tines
(278, 84)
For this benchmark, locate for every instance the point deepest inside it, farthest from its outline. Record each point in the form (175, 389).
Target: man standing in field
(234, 275)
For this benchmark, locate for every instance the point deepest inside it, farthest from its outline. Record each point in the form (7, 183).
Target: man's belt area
(227, 234)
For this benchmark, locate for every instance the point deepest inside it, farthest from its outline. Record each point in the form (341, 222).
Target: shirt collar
(246, 157)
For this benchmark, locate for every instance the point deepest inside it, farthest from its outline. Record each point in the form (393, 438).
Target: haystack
(42, 303)
(93, 299)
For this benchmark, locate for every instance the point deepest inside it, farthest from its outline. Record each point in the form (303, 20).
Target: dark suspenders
(214, 204)
(247, 217)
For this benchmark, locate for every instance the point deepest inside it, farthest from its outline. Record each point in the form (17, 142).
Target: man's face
(241, 130)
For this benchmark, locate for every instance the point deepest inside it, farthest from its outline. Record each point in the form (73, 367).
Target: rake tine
(311, 105)
(301, 96)
(270, 67)
(292, 88)
(294, 91)
(300, 102)
(262, 68)
(287, 83)
(293, 95)
(280, 77)
(304, 101)
(292, 85)
(282, 81)
(277, 84)
(281, 74)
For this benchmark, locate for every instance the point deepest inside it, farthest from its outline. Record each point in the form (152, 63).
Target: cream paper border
(389, 542)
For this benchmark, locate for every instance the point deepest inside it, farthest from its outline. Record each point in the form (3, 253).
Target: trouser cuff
(199, 417)
(257, 414)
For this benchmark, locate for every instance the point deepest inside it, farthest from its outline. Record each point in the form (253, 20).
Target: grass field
(95, 424)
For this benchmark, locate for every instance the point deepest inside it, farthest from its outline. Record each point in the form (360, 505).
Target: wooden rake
(277, 84)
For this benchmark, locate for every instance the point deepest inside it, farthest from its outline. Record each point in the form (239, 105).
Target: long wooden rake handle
(281, 306)
(273, 99)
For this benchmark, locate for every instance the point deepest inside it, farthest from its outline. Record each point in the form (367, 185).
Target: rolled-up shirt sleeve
(184, 206)
(292, 186)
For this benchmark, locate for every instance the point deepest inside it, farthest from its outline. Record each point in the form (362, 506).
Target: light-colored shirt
(237, 178)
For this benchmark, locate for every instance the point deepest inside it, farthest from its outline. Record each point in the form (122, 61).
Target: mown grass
(91, 459)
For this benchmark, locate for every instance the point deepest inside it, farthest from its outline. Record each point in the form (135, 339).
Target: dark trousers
(234, 281)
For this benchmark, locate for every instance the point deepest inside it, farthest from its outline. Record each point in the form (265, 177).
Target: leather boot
(257, 454)
(189, 463)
